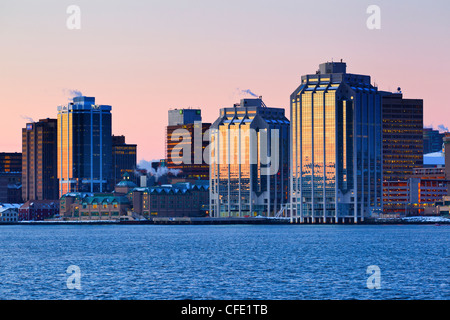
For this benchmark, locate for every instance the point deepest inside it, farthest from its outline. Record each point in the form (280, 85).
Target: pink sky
(145, 57)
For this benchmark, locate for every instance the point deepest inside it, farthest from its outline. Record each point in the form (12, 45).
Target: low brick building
(37, 210)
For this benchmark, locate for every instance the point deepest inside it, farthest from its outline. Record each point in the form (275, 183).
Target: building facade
(174, 200)
(11, 187)
(39, 161)
(10, 162)
(336, 159)
(38, 210)
(97, 206)
(84, 146)
(427, 186)
(249, 161)
(8, 214)
(123, 158)
(432, 140)
(402, 148)
(186, 140)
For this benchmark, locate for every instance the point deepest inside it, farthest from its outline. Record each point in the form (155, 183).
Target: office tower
(402, 148)
(123, 158)
(186, 140)
(336, 147)
(39, 160)
(84, 146)
(249, 170)
(10, 162)
(432, 140)
(402, 136)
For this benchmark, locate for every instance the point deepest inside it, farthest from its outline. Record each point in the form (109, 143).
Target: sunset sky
(145, 57)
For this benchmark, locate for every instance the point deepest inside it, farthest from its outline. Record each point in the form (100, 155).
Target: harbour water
(204, 262)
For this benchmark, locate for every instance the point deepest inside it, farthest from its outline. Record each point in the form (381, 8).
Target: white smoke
(243, 93)
(29, 119)
(441, 128)
(249, 92)
(159, 172)
(71, 93)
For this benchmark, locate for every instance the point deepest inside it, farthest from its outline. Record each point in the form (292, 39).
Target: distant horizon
(144, 58)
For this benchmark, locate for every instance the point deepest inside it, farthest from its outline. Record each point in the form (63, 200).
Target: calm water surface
(225, 262)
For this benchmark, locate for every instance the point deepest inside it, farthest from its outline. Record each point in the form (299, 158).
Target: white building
(9, 212)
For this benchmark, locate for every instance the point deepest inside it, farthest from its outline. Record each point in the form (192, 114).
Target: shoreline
(234, 221)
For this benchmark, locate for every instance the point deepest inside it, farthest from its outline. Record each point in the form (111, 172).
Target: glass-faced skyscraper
(249, 162)
(336, 157)
(84, 146)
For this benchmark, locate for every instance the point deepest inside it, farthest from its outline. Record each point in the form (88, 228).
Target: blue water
(225, 262)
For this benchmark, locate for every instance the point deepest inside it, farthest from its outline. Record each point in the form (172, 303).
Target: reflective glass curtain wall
(84, 146)
(336, 159)
(239, 186)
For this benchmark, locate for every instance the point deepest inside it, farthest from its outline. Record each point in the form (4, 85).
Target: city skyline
(206, 56)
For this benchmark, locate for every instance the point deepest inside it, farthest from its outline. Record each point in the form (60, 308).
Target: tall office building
(402, 136)
(186, 141)
(249, 169)
(39, 161)
(336, 147)
(123, 158)
(10, 162)
(402, 149)
(84, 146)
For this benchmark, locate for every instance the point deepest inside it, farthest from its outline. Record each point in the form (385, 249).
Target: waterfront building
(99, 206)
(427, 186)
(84, 146)
(8, 214)
(128, 201)
(402, 148)
(38, 210)
(336, 159)
(186, 139)
(123, 158)
(172, 200)
(443, 206)
(94, 206)
(39, 160)
(10, 162)
(249, 169)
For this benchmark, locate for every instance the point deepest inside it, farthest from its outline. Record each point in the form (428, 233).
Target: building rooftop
(40, 204)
